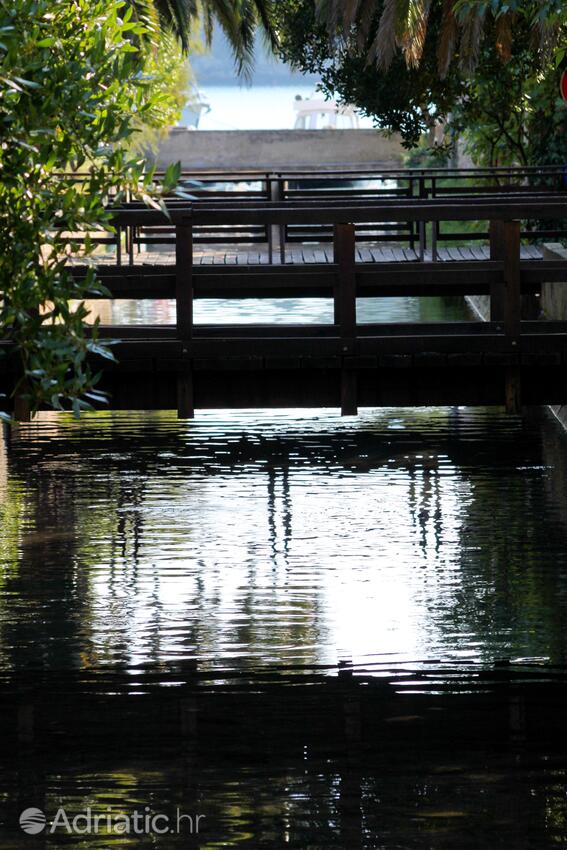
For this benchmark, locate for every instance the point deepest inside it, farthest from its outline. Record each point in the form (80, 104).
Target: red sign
(563, 85)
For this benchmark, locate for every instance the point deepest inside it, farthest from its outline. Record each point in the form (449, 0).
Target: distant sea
(255, 108)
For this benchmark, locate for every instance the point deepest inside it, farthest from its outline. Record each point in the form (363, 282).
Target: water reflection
(282, 310)
(256, 538)
(479, 799)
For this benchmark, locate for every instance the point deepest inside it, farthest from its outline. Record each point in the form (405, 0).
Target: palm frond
(342, 17)
(472, 30)
(413, 40)
(243, 43)
(177, 15)
(448, 38)
(239, 19)
(329, 12)
(367, 17)
(547, 32)
(265, 17)
(384, 46)
(351, 8)
(504, 35)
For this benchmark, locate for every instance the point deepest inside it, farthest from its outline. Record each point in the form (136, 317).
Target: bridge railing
(424, 184)
(368, 186)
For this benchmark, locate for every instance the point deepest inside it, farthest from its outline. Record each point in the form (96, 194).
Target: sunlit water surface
(256, 538)
(290, 311)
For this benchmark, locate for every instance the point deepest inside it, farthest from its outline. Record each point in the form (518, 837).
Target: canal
(286, 560)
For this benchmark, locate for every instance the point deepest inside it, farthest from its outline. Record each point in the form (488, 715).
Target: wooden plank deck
(311, 254)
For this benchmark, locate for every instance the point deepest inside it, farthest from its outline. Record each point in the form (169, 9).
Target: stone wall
(242, 150)
(553, 306)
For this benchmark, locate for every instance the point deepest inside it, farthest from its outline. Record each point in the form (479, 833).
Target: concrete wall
(553, 306)
(278, 149)
(554, 295)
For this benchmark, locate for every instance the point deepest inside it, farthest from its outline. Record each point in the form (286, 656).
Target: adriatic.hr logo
(33, 821)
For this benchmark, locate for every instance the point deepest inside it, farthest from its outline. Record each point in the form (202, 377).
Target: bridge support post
(506, 302)
(184, 305)
(496, 289)
(22, 411)
(345, 312)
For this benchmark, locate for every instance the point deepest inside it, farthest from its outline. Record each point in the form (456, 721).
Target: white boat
(195, 108)
(314, 113)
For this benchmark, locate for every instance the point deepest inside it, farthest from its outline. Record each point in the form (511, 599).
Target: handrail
(223, 175)
(410, 172)
(270, 212)
(310, 186)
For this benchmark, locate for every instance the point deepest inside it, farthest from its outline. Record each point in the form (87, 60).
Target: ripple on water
(253, 538)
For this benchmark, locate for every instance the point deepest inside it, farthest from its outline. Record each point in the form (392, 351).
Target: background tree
(83, 84)
(506, 109)
(403, 99)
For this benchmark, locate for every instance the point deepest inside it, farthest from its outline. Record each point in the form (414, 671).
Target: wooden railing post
(345, 312)
(118, 246)
(422, 225)
(412, 227)
(276, 232)
(435, 225)
(506, 300)
(184, 304)
(512, 284)
(497, 288)
(22, 410)
(281, 187)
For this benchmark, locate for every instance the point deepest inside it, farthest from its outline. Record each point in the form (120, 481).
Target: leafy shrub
(73, 90)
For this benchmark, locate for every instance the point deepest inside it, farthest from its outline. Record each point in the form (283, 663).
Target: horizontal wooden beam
(543, 328)
(318, 280)
(325, 344)
(478, 208)
(311, 331)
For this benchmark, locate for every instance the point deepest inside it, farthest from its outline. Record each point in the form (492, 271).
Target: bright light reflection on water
(253, 538)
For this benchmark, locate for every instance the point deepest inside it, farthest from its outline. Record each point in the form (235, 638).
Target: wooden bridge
(395, 240)
(515, 358)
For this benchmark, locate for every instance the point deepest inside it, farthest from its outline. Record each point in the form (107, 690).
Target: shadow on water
(315, 632)
(344, 761)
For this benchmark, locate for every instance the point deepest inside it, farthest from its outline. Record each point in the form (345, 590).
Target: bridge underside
(415, 364)
(322, 387)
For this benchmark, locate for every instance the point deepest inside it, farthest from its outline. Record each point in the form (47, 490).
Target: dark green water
(243, 542)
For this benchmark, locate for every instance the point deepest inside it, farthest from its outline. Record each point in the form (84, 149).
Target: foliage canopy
(505, 107)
